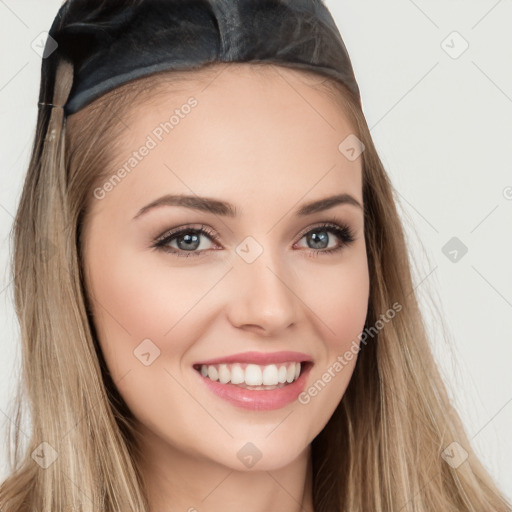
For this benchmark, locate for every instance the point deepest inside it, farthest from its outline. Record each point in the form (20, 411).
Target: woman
(213, 287)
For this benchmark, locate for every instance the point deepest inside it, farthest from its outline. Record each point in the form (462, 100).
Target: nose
(263, 301)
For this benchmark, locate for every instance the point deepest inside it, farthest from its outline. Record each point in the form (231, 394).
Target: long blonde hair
(381, 451)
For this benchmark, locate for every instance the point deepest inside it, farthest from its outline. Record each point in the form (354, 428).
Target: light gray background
(442, 123)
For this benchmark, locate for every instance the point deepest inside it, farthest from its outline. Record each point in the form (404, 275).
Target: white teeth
(270, 377)
(253, 374)
(237, 374)
(290, 374)
(213, 373)
(224, 375)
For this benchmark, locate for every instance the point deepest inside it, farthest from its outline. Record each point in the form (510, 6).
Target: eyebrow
(224, 208)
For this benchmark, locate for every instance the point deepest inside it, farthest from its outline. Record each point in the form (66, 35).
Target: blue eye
(188, 239)
(319, 238)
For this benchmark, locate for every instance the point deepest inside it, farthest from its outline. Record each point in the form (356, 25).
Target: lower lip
(260, 400)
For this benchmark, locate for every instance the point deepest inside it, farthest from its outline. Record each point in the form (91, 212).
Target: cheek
(143, 315)
(339, 300)
(135, 297)
(338, 296)
(349, 309)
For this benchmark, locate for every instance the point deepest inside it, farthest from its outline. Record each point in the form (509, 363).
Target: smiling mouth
(254, 376)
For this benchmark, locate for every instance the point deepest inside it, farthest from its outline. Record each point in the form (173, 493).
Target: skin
(268, 143)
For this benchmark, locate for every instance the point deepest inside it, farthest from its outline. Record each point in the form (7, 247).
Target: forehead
(240, 130)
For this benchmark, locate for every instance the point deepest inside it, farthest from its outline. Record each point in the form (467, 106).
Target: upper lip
(261, 358)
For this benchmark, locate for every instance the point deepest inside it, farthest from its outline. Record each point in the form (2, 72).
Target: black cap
(113, 42)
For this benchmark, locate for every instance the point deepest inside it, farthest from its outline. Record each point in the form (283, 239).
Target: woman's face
(264, 277)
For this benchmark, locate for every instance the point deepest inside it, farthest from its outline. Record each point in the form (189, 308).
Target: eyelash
(341, 230)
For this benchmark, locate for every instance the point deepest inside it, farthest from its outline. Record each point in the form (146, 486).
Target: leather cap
(112, 42)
